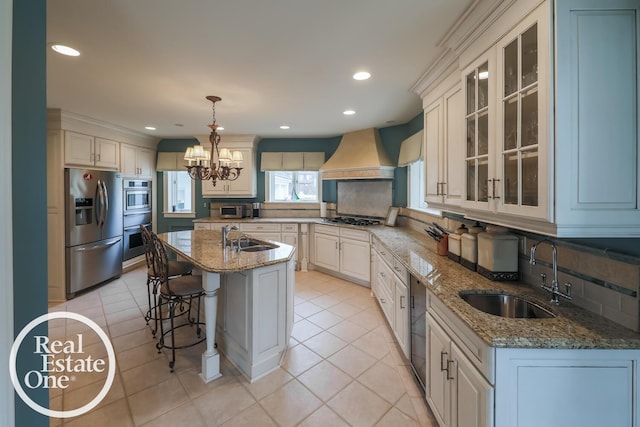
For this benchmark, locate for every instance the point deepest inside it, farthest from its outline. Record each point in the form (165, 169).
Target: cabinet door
(78, 149)
(401, 314)
(107, 153)
(433, 153)
(128, 160)
(245, 185)
(453, 148)
(522, 133)
(597, 387)
(478, 82)
(355, 259)
(146, 163)
(438, 386)
(291, 239)
(327, 251)
(598, 174)
(471, 394)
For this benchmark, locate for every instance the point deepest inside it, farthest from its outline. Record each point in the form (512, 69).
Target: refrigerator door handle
(96, 247)
(105, 197)
(97, 198)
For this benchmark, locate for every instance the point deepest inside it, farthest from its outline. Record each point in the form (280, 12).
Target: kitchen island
(254, 314)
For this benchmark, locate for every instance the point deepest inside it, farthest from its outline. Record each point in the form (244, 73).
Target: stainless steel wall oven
(132, 236)
(137, 196)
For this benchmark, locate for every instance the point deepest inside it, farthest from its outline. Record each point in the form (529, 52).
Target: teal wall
(29, 195)
(391, 138)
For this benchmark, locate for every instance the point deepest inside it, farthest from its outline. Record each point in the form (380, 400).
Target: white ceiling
(273, 62)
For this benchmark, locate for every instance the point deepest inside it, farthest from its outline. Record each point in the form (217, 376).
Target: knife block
(443, 246)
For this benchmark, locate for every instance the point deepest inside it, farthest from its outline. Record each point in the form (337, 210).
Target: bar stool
(176, 268)
(178, 295)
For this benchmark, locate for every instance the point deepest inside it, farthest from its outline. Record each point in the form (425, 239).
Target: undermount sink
(255, 246)
(258, 248)
(505, 305)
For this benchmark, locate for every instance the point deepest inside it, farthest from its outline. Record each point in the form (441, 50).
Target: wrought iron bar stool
(178, 295)
(176, 268)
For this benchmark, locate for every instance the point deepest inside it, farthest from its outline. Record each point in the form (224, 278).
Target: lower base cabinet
(472, 385)
(457, 393)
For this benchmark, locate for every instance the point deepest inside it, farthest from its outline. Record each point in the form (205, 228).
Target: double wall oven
(137, 211)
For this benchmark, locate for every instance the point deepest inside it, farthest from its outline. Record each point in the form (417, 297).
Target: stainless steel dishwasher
(418, 299)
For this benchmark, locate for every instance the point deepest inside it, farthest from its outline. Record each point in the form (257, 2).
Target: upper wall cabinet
(136, 162)
(597, 149)
(85, 150)
(443, 142)
(551, 118)
(245, 186)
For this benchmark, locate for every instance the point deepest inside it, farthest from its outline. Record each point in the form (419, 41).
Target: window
(293, 187)
(415, 185)
(179, 200)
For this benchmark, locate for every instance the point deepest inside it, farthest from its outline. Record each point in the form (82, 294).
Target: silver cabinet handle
(401, 297)
(443, 361)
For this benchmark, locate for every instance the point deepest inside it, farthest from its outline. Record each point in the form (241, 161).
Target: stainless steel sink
(505, 305)
(257, 248)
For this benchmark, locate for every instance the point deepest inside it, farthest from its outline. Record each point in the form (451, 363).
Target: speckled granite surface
(573, 327)
(204, 249)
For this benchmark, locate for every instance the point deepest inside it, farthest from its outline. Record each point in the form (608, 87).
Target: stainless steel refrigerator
(93, 228)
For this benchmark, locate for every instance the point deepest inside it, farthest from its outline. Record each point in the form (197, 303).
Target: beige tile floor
(342, 367)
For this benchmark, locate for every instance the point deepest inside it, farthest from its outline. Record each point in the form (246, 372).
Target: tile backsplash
(603, 282)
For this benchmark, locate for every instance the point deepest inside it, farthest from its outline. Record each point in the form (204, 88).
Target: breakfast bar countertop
(204, 249)
(573, 328)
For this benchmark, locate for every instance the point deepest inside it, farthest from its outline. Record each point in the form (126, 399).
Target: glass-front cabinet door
(478, 87)
(523, 138)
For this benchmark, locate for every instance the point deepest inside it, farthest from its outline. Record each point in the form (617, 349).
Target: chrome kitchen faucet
(554, 288)
(225, 233)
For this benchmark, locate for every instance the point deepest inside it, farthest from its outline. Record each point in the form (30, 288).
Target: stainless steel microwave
(233, 211)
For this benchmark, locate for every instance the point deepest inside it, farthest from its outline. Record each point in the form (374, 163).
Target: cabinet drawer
(351, 233)
(290, 228)
(386, 303)
(385, 279)
(326, 229)
(400, 271)
(265, 228)
(202, 226)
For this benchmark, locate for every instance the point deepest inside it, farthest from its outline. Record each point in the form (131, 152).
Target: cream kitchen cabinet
(345, 251)
(290, 237)
(443, 148)
(202, 226)
(262, 231)
(85, 150)
(457, 393)
(246, 184)
(390, 287)
(137, 162)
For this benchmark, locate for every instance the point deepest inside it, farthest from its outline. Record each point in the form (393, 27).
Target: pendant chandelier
(202, 162)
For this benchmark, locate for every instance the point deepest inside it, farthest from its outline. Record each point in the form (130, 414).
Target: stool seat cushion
(182, 286)
(176, 268)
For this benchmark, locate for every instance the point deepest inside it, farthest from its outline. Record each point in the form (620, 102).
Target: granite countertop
(203, 248)
(573, 328)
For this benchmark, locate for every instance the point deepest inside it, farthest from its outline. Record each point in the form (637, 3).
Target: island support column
(211, 357)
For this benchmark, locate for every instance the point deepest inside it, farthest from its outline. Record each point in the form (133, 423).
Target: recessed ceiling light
(284, 127)
(64, 50)
(361, 75)
(149, 128)
(348, 112)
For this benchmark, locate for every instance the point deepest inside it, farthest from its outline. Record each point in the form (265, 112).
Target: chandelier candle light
(201, 162)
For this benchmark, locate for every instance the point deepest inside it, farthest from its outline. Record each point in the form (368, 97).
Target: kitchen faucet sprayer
(554, 288)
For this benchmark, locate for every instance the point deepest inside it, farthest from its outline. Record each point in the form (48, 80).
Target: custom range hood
(360, 155)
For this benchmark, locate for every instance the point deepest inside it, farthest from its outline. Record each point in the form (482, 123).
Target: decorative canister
(469, 251)
(498, 256)
(455, 250)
